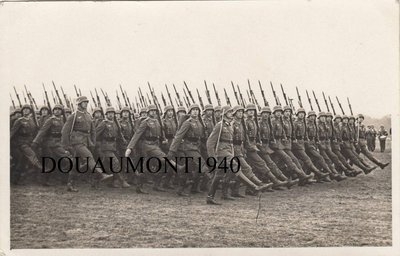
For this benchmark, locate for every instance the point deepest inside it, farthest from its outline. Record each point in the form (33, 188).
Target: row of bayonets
(187, 98)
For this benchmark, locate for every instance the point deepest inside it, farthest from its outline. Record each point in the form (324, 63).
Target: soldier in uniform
(150, 134)
(382, 135)
(97, 116)
(127, 131)
(108, 134)
(259, 165)
(78, 136)
(21, 137)
(298, 144)
(347, 147)
(373, 140)
(44, 113)
(325, 150)
(362, 143)
(220, 145)
(279, 154)
(14, 116)
(180, 113)
(217, 113)
(67, 112)
(170, 128)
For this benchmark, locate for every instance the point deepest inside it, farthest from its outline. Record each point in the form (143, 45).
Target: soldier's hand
(128, 152)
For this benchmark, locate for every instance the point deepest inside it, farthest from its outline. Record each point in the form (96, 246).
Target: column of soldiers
(276, 149)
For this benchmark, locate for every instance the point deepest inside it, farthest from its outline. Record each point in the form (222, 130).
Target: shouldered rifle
(333, 108)
(351, 110)
(253, 96)
(141, 98)
(129, 103)
(94, 101)
(186, 96)
(80, 93)
(186, 103)
(228, 101)
(284, 96)
(155, 100)
(67, 102)
(32, 108)
(47, 97)
(326, 102)
(190, 93)
(291, 104)
(16, 94)
(216, 95)
(208, 93)
(177, 95)
(340, 105)
(54, 99)
(266, 104)
(248, 96)
(169, 96)
(99, 102)
(142, 104)
(309, 101)
(23, 94)
(275, 96)
(13, 103)
(299, 97)
(105, 98)
(236, 94)
(118, 101)
(76, 91)
(57, 94)
(163, 99)
(31, 99)
(148, 98)
(200, 100)
(241, 96)
(316, 101)
(123, 96)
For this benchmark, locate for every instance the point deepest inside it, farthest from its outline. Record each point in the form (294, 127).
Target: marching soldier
(220, 145)
(21, 136)
(44, 113)
(67, 112)
(362, 143)
(97, 116)
(170, 129)
(127, 131)
(252, 156)
(298, 144)
(108, 135)
(78, 136)
(347, 147)
(180, 113)
(217, 114)
(279, 154)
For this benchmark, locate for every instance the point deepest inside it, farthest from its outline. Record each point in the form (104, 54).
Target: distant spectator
(382, 134)
(370, 138)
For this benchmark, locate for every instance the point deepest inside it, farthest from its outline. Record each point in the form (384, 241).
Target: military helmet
(152, 107)
(321, 114)
(277, 108)
(96, 109)
(181, 109)
(17, 110)
(136, 115)
(301, 110)
(208, 107)
(117, 111)
(237, 108)
(26, 106)
(44, 107)
(287, 108)
(193, 106)
(143, 110)
(217, 108)
(59, 106)
(345, 117)
(226, 109)
(352, 117)
(311, 113)
(67, 110)
(110, 109)
(250, 106)
(169, 107)
(360, 116)
(81, 99)
(266, 109)
(329, 114)
(336, 117)
(126, 109)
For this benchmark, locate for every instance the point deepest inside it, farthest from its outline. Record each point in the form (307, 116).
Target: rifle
(263, 94)
(299, 97)
(32, 109)
(155, 100)
(177, 95)
(228, 101)
(340, 105)
(291, 104)
(94, 101)
(76, 91)
(200, 100)
(190, 93)
(186, 103)
(129, 104)
(207, 93)
(66, 99)
(16, 94)
(275, 96)
(123, 96)
(326, 102)
(148, 98)
(253, 96)
(72, 105)
(187, 98)
(30, 97)
(99, 102)
(54, 99)
(351, 110)
(80, 93)
(241, 96)
(169, 96)
(333, 108)
(47, 97)
(316, 101)
(23, 94)
(163, 99)
(105, 98)
(58, 95)
(216, 95)
(13, 103)
(284, 96)
(236, 94)
(309, 101)
(141, 98)
(118, 101)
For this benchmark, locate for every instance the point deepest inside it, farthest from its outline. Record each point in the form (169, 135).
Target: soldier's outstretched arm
(15, 128)
(66, 130)
(179, 136)
(42, 131)
(213, 138)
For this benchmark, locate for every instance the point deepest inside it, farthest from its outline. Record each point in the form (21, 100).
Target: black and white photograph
(199, 127)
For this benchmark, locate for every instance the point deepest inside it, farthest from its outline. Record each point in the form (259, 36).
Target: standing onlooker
(382, 137)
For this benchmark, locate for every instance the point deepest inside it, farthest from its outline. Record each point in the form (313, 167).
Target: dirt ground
(354, 212)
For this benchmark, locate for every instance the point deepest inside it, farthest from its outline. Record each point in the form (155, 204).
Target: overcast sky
(345, 48)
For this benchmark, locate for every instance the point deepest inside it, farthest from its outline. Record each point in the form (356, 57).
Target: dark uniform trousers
(316, 157)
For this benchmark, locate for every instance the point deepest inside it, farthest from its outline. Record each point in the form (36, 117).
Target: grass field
(354, 212)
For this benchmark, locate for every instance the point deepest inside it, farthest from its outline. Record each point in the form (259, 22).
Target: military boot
(211, 200)
(370, 169)
(277, 183)
(383, 165)
(225, 193)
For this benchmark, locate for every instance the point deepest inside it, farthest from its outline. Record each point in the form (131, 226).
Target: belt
(151, 138)
(237, 142)
(226, 141)
(110, 139)
(169, 136)
(299, 137)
